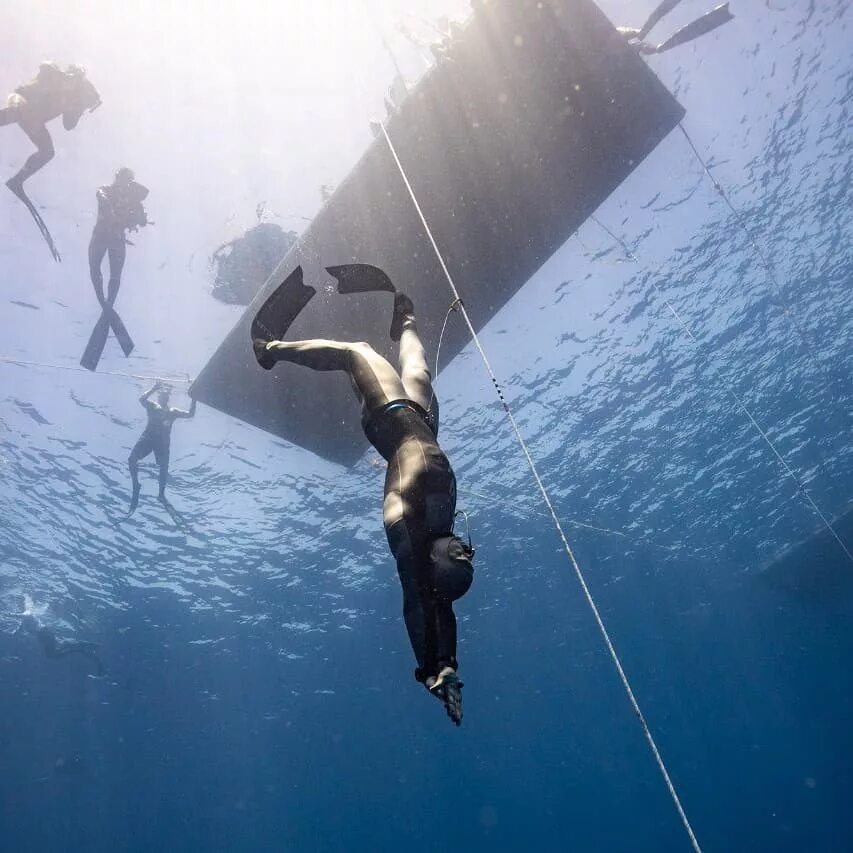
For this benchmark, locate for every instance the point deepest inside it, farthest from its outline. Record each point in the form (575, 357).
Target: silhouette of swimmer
(52, 93)
(120, 210)
(54, 648)
(156, 438)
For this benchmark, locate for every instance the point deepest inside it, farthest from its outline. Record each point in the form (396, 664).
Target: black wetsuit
(156, 438)
(119, 208)
(52, 93)
(400, 419)
(419, 474)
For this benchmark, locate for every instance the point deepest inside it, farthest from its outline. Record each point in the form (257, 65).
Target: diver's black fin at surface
(361, 278)
(279, 311)
(18, 189)
(715, 18)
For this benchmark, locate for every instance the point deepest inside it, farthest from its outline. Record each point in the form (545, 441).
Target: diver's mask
(452, 564)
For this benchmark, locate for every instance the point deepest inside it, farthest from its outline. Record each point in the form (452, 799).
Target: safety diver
(156, 438)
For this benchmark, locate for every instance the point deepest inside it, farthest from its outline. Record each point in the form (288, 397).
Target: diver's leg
(140, 450)
(97, 250)
(376, 380)
(117, 252)
(414, 370)
(40, 137)
(161, 456)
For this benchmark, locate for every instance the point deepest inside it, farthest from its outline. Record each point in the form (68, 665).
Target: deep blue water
(259, 692)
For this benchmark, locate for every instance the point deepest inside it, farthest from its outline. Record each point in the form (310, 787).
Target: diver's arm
(144, 398)
(105, 203)
(72, 110)
(71, 117)
(179, 413)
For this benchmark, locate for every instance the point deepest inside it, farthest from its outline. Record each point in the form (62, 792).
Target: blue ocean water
(258, 693)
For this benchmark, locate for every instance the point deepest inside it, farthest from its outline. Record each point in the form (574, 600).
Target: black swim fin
(715, 18)
(662, 9)
(282, 308)
(361, 278)
(109, 319)
(17, 187)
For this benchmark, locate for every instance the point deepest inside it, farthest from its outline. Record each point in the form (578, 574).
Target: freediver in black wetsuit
(400, 418)
(52, 93)
(156, 438)
(120, 209)
(54, 648)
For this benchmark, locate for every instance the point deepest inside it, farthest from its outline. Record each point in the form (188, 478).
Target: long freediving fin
(125, 341)
(715, 18)
(361, 278)
(662, 9)
(18, 190)
(98, 339)
(284, 305)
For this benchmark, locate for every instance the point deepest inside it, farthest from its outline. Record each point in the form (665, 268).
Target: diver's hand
(447, 688)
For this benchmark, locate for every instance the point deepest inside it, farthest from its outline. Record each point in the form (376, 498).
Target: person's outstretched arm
(182, 414)
(144, 398)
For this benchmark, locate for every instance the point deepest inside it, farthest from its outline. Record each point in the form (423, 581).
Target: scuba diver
(705, 24)
(400, 419)
(31, 106)
(120, 209)
(156, 438)
(54, 648)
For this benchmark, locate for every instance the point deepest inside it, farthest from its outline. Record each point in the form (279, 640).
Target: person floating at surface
(31, 106)
(120, 209)
(708, 22)
(400, 419)
(156, 438)
(54, 648)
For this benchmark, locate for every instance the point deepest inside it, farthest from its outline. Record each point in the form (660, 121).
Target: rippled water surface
(259, 692)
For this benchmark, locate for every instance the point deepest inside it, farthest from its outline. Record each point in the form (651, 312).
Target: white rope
(738, 400)
(579, 574)
(23, 363)
(791, 473)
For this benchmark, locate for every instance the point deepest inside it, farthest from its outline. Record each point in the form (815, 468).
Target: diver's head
(452, 566)
(76, 71)
(163, 392)
(124, 176)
